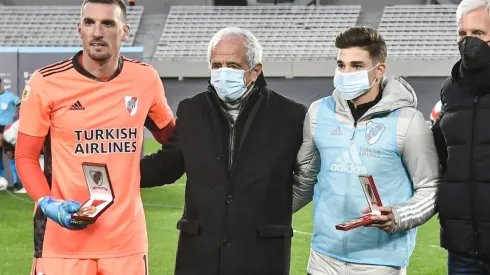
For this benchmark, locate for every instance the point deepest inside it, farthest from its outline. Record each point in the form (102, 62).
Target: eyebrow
(471, 30)
(352, 62)
(105, 21)
(233, 63)
(228, 63)
(109, 21)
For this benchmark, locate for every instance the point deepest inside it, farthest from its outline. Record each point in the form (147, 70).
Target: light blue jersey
(8, 107)
(391, 142)
(345, 153)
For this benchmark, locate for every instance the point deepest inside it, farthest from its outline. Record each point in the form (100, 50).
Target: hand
(60, 212)
(385, 221)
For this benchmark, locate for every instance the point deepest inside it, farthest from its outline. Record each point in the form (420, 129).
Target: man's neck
(367, 97)
(233, 108)
(101, 70)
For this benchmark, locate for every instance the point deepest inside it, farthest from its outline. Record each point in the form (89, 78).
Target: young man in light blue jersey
(9, 104)
(369, 125)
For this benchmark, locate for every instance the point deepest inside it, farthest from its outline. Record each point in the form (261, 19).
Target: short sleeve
(15, 100)
(35, 111)
(160, 113)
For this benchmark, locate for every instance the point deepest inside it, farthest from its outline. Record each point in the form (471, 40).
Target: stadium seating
(285, 32)
(420, 31)
(49, 26)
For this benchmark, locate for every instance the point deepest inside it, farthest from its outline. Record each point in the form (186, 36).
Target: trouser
(462, 265)
(320, 264)
(134, 264)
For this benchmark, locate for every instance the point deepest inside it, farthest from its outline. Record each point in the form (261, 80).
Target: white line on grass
(175, 184)
(302, 232)
(19, 198)
(180, 207)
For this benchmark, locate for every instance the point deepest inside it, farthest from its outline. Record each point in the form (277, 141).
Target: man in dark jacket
(462, 136)
(237, 143)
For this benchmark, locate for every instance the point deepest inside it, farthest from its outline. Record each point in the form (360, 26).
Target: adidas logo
(349, 162)
(336, 132)
(77, 106)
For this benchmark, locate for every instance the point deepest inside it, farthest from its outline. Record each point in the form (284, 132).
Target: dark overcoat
(238, 196)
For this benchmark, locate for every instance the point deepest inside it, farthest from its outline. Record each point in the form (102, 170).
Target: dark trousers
(461, 265)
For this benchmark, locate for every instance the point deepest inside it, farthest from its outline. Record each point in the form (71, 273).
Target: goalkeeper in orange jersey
(90, 108)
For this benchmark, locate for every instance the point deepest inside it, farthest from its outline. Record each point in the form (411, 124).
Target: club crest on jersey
(131, 104)
(96, 177)
(25, 93)
(373, 132)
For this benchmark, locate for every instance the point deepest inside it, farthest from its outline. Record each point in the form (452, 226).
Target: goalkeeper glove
(60, 212)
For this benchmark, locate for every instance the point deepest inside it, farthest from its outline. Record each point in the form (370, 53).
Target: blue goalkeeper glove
(60, 212)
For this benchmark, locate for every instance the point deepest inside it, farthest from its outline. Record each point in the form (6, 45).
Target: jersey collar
(82, 71)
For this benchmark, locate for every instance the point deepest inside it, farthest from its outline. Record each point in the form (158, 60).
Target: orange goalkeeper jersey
(85, 119)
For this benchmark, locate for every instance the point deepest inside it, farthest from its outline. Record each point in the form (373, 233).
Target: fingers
(71, 206)
(388, 220)
(384, 222)
(366, 210)
(381, 218)
(385, 210)
(87, 210)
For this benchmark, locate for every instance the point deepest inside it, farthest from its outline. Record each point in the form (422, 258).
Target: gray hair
(254, 49)
(469, 5)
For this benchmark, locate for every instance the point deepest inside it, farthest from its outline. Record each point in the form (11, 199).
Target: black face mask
(475, 53)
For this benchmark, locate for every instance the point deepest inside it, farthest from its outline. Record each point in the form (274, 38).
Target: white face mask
(353, 85)
(229, 83)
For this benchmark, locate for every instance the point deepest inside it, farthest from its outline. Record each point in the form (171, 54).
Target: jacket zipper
(472, 183)
(231, 143)
(231, 147)
(361, 118)
(354, 130)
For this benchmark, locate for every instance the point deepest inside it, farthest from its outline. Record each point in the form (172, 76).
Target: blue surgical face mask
(229, 83)
(352, 85)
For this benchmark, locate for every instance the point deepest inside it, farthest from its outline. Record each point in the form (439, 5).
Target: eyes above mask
(229, 83)
(353, 85)
(475, 53)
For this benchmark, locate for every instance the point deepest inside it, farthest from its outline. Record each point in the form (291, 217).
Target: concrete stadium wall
(305, 90)
(318, 68)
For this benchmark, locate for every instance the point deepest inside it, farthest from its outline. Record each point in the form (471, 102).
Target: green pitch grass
(163, 207)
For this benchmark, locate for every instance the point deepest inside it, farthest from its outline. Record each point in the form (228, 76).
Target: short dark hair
(120, 3)
(366, 38)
